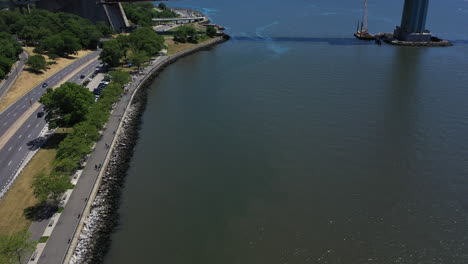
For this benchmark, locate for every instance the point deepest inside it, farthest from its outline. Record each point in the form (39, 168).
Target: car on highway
(40, 114)
(82, 76)
(44, 85)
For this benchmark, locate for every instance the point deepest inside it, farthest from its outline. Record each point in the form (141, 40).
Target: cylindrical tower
(414, 16)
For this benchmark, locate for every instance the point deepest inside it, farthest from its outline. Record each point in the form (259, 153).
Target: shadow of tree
(40, 211)
(51, 142)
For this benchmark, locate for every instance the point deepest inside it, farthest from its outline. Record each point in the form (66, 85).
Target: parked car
(82, 76)
(40, 114)
(44, 85)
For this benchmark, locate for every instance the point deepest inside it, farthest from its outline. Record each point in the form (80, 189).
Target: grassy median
(21, 195)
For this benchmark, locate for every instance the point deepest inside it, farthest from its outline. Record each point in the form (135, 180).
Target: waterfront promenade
(65, 235)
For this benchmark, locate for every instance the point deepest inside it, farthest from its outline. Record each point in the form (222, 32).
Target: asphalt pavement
(25, 139)
(9, 115)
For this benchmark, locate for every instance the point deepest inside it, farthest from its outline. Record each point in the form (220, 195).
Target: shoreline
(91, 240)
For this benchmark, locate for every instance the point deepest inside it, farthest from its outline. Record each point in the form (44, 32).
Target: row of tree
(143, 13)
(9, 51)
(190, 34)
(58, 34)
(72, 105)
(135, 48)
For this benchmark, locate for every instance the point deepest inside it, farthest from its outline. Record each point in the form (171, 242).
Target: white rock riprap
(94, 238)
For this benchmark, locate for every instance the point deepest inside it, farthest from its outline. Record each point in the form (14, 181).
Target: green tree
(50, 187)
(186, 34)
(147, 40)
(211, 31)
(112, 52)
(120, 77)
(66, 105)
(5, 64)
(37, 63)
(12, 247)
(138, 58)
(105, 29)
(162, 6)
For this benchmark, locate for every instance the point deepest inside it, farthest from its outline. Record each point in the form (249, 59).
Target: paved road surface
(57, 244)
(14, 73)
(9, 116)
(19, 145)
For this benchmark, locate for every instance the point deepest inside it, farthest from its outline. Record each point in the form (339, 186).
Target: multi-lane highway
(19, 125)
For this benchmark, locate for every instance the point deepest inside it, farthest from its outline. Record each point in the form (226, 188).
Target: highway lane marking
(8, 113)
(9, 163)
(15, 114)
(29, 136)
(4, 124)
(20, 136)
(37, 125)
(24, 106)
(20, 148)
(10, 148)
(29, 125)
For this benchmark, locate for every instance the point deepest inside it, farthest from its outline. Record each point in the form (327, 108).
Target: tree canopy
(143, 13)
(50, 186)
(137, 47)
(211, 31)
(58, 33)
(186, 34)
(9, 51)
(37, 63)
(12, 247)
(66, 105)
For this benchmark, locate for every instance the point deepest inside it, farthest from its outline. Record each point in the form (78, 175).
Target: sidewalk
(15, 71)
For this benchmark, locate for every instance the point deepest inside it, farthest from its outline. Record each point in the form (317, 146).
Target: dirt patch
(175, 47)
(28, 80)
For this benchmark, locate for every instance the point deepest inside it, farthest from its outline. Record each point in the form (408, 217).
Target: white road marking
(4, 124)
(29, 125)
(20, 136)
(20, 148)
(37, 125)
(10, 148)
(8, 113)
(9, 163)
(15, 114)
(24, 106)
(29, 136)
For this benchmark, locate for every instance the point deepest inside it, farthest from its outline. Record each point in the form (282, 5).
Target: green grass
(43, 239)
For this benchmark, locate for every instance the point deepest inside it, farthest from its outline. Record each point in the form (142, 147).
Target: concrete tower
(413, 22)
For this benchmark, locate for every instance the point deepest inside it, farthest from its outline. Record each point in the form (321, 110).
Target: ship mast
(364, 19)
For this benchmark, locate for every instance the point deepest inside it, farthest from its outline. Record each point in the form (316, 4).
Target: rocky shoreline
(94, 238)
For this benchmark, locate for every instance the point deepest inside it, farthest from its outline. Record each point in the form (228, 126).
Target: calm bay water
(293, 143)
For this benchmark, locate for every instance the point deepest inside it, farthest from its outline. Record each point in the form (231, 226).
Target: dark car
(82, 77)
(44, 85)
(40, 114)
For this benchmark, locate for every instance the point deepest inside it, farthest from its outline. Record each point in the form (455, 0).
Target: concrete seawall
(100, 217)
